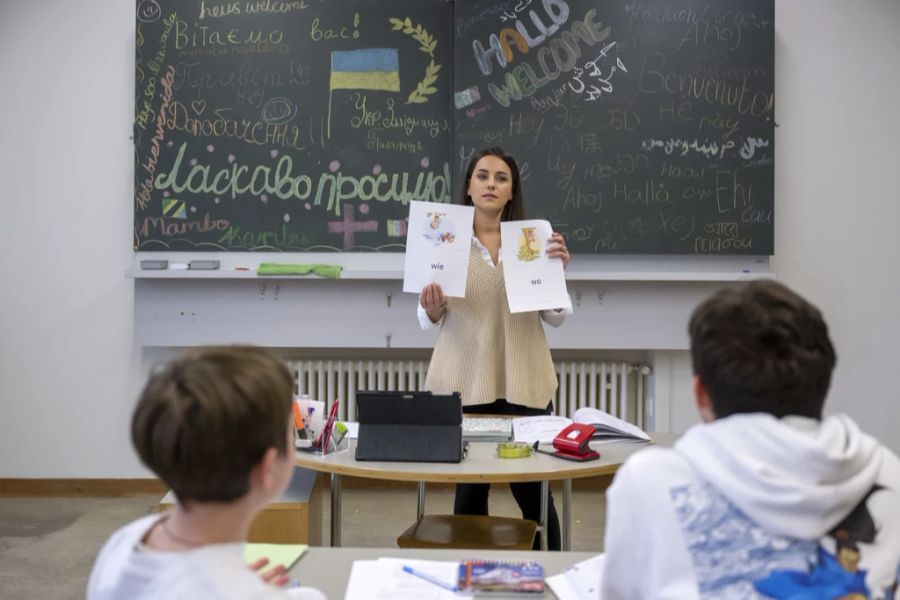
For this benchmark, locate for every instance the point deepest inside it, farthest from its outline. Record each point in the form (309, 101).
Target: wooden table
(480, 466)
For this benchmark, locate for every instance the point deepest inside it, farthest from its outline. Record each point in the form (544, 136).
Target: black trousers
(472, 498)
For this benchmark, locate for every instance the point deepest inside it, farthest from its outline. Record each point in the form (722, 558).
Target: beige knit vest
(484, 352)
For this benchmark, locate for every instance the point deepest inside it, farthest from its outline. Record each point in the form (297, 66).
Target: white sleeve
(646, 556)
(425, 321)
(555, 319)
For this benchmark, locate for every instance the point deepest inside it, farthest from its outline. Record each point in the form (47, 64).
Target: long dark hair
(515, 208)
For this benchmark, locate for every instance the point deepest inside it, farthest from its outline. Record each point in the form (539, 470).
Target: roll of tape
(513, 450)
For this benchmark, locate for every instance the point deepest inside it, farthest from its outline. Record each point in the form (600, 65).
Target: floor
(40, 536)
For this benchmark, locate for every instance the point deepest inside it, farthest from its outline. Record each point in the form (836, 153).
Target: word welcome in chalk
(238, 179)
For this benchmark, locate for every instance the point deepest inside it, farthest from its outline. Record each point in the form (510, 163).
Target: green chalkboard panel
(641, 126)
(289, 124)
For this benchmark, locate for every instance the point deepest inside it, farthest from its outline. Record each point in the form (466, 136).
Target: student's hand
(433, 301)
(557, 248)
(277, 575)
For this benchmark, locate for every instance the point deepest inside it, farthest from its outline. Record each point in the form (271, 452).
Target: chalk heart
(273, 153)
(199, 106)
(231, 158)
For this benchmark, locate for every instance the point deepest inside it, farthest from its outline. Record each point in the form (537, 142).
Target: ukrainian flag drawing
(366, 69)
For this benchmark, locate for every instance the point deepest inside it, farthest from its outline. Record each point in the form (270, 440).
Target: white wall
(69, 367)
(66, 358)
(836, 166)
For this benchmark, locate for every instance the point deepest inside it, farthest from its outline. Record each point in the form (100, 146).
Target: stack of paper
(541, 429)
(581, 581)
(385, 578)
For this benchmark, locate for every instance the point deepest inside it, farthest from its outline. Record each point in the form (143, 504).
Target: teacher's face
(491, 185)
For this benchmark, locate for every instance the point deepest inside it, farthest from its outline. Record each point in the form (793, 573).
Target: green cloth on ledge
(331, 271)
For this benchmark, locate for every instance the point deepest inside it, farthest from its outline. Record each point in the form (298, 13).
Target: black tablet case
(409, 427)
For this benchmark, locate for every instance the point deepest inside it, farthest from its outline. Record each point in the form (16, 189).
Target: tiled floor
(47, 545)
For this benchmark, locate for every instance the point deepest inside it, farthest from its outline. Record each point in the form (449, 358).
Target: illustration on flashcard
(529, 249)
(439, 229)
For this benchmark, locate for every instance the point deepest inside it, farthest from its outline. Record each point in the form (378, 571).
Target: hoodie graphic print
(735, 556)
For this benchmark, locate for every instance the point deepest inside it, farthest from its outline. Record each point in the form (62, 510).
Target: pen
(242, 268)
(430, 579)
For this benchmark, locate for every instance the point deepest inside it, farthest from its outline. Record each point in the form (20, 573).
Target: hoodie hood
(795, 476)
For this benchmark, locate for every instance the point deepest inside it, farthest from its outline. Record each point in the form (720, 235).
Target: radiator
(618, 388)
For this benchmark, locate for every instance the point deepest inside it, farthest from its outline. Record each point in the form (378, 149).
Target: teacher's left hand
(557, 249)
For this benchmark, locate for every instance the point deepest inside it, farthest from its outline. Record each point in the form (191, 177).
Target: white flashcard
(438, 242)
(534, 281)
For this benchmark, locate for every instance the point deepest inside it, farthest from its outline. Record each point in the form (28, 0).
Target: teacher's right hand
(433, 301)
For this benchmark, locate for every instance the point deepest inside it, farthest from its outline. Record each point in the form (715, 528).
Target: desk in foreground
(329, 568)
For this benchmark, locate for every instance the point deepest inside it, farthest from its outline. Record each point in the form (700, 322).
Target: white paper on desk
(384, 578)
(534, 281)
(541, 429)
(581, 581)
(438, 243)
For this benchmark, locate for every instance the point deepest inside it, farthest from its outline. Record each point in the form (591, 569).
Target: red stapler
(572, 443)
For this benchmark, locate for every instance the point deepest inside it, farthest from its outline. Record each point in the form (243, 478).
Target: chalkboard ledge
(241, 274)
(612, 275)
(571, 275)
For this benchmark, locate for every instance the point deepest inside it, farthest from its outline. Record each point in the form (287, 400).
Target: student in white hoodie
(766, 498)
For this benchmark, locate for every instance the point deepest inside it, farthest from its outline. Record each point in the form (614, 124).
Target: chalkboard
(289, 124)
(308, 125)
(641, 126)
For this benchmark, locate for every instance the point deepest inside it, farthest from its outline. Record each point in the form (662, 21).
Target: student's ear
(704, 402)
(265, 473)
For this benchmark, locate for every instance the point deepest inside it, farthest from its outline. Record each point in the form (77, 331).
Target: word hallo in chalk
(499, 47)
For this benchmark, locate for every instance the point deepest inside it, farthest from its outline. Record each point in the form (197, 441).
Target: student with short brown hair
(215, 426)
(766, 498)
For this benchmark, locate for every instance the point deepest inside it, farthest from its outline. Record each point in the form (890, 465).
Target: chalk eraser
(203, 265)
(155, 264)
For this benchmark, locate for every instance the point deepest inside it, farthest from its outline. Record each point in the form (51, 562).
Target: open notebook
(608, 428)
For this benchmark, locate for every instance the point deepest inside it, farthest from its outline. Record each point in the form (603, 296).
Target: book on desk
(607, 428)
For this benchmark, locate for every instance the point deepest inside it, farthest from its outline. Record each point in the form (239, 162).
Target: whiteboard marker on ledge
(178, 266)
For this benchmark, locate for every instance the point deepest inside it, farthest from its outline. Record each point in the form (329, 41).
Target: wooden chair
(469, 531)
